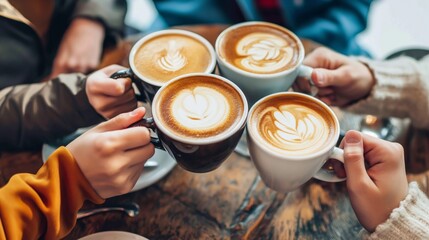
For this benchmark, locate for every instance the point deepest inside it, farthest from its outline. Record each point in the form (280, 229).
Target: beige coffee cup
(290, 137)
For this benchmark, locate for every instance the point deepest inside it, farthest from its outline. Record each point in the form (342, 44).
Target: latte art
(261, 52)
(173, 59)
(293, 127)
(200, 108)
(260, 48)
(167, 55)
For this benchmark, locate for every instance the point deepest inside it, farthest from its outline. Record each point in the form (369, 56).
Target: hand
(340, 80)
(112, 156)
(80, 49)
(108, 96)
(376, 179)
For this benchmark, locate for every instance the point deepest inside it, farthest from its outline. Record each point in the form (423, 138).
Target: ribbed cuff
(409, 221)
(400, 90)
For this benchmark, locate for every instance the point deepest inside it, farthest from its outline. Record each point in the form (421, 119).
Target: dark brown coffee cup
(198, 120)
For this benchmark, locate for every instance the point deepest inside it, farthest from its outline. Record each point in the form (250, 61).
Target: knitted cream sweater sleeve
(401, 90)
(409, 221)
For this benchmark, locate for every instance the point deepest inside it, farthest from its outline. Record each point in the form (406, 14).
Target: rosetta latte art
(173, 60)
(200, 108)
(262, 52)
(294, 128)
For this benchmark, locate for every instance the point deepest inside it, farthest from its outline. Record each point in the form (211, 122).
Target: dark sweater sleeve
(32, 114)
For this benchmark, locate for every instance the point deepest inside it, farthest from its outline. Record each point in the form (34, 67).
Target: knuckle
(398, 148)
(352, 156)
(104, 146)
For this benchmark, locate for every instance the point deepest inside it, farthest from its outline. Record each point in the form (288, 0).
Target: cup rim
(221, 60)
(152, 35)
(200, 141)
(281, 154)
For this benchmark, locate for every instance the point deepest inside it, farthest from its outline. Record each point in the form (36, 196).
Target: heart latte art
(261, 52)
(199, 107)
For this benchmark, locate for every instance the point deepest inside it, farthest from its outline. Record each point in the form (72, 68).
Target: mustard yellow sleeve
(44, 205)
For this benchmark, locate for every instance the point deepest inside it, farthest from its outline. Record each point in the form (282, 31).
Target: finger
(302, 85)
(109, 70)
(329, 78)
(374, 144)
(354, 162)
(107, 103)
(140, 155)
(122, 121)
(130, 138)
(109, 86)
(323, 57)
(329, 100)
(325, 91)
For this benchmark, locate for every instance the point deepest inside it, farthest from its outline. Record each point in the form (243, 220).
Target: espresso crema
(293, 127)
(167, 56)
(260, 48)
(199, 107)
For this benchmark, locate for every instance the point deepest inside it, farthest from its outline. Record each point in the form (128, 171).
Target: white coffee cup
(285, 172)
(258, 85)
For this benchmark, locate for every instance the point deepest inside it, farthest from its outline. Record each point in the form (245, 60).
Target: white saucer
(117, 235)
(147, 178)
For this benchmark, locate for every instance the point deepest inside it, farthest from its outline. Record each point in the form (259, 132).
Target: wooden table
(230, 202)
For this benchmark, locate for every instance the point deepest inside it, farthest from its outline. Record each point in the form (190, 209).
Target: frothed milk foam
(170, 55)
(293, 126)
(260, 49)
(199, 107)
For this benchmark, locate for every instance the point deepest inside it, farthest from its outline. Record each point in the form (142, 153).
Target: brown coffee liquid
(262, 49)
(167, 56)
(293, 125)
(199, 107)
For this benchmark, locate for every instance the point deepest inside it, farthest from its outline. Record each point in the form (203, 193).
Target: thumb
(354, 162)
(123, 120)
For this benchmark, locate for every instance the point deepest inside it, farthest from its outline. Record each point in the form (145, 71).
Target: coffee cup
(261, 58)
(163, 55)
(290, 137)
(198, 120)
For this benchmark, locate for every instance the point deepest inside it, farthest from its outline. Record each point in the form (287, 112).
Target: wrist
(88, 26)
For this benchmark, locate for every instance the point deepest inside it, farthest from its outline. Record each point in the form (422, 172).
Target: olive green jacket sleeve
(111, 13)
(32, 114)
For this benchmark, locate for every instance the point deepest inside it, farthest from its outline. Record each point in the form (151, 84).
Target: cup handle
(305, 72)
(327, 175)
(128, 73)
(150, 124)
